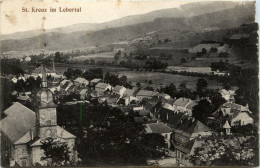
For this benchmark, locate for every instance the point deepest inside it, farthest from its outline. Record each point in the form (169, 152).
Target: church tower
(46, 117)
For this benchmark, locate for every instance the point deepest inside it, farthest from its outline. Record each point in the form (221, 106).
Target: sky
(99, 11)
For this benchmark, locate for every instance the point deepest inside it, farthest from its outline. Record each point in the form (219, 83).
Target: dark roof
(173, 116)
(186, 147)
(158, 128)
(18, 122)
(188, 126)
(65, 85)
(169, 101)
(139, 119)
(143, 112)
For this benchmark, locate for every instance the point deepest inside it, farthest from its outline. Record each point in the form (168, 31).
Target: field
(162, 79)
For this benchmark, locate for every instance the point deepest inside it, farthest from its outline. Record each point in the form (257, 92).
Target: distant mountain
(187, 10)
(224, 19)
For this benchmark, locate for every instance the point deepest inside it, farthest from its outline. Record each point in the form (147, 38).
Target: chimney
(167, 116)
(31, 134)
(247, 106)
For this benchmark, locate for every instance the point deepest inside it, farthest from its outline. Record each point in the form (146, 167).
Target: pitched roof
(144, 112)
(173, 117)
(226, 125)
(81, 80)
(157, 128)
(146, 93)
(188, 146)
(117, 88)
(102, 85)
(187, 126)
(18, 122)
(62, 133)
(39, 70)
(191, 105)
(95, 80)
(129, 92)
(182, 102)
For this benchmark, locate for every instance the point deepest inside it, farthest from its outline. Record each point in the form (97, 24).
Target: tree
(226, 151)
(117, 56)
(202, 110)
(56, 153)
(182, 86)
(201, 84)
(183, 60)
(204, 50)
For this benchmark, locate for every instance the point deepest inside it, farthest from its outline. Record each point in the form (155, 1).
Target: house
(112, 100)
(101, 88)
(185, 150)
(160, 128)
(27, 59)
(235, 113)
(128, 96)
(182, 103)
(38, 71)
(22, 130)
(188, 128)
(81, 81)
(125, 110)
(95, 81)
(228, 95)
(136, 107)
(145, 94)
(14, 80)
(21, 77)
(164, 96)
(83, 94)
(120, 90)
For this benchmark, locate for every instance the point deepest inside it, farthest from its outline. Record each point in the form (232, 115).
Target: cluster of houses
(158, 112)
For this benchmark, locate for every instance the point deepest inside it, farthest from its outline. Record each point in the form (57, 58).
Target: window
(24, 163)
(48, 133)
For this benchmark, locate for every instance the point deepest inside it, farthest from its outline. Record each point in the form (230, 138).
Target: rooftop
(157, 128)
(19, 121)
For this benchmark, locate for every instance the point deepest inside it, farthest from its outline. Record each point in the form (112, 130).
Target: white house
(237, 114)
(81, 81)
(120, 90)
(102, 87)
(183, 104)
(27, 59)
(14, 80)
(128, 96)
(228, 95)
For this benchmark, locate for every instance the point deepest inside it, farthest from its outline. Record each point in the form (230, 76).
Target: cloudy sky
(14, 20)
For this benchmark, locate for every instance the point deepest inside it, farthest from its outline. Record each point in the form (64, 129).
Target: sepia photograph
(114, 83)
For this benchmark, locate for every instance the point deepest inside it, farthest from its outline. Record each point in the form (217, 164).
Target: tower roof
(226, 125)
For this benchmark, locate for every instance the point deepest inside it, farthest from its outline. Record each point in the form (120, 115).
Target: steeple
(44, 79)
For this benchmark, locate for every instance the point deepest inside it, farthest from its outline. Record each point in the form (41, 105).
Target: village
(169, 85)
(184, 124)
